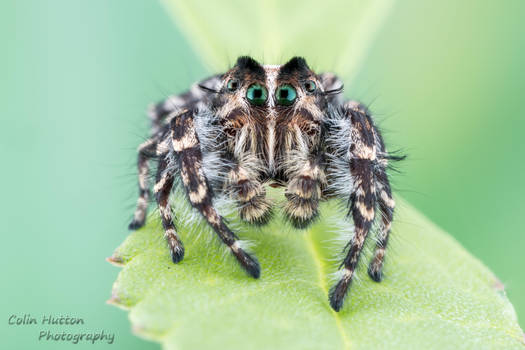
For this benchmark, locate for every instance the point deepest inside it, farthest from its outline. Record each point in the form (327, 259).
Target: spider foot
(257, 211)
(136, 224)
(177, 253)
(375, 272)
(338, 292)
(300, 212)
(176, 247)
(248, 263)
(375, 269)
(259, 220)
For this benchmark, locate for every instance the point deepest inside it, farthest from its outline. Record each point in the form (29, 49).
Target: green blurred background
(444, 78)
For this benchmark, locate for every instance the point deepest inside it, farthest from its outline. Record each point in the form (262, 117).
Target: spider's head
(298, 91)
(251, 90)
(243, 93)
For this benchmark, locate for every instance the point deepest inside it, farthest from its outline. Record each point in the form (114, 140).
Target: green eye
(285, 95)
(257, 94)
(310, 86)
(232, 85)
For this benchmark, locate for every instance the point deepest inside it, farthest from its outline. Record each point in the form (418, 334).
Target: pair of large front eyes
(257, 94)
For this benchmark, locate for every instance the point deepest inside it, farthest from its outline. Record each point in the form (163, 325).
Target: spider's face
(253, 91)
(243, 93)
(298, 91)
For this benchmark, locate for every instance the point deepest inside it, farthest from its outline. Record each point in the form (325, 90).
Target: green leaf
(435, 295)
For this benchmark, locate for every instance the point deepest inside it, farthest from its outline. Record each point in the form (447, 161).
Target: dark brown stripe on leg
(145, 151)
(186, 145)
(386, 208)
(362, 209)
(162, 192)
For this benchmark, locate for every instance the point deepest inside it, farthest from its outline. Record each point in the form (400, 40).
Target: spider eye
(310, 86)
(285, 95)
(257, 94)
(232, 85)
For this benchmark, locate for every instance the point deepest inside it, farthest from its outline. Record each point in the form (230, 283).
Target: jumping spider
(260, 125)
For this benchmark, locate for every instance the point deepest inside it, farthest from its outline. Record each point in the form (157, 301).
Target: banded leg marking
(386, 206)
(145, 151)
(362, 160)
(303, 194)
(255, 208)
(303, 191)
(186, 145)
(362, 209)
(162, 189)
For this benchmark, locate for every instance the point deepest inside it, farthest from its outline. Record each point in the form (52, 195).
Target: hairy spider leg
(160, 112)
(146, 151)
(386, 206)
(333, 85)
(244, 180)
(303, 191)
(187, 149)
(162, 189)
(363, 198)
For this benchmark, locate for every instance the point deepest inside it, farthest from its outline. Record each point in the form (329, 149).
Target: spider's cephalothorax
(255, 125)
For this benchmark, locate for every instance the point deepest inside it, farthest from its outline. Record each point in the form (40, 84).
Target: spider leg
(159, 113)
(333, 85)
(244, 182)
(362, 209)
(386, 206)
(254, 207)
(362, 161)
(303, 193)
(162, 189)
(187, 148)
(306, 175)
(146, 151)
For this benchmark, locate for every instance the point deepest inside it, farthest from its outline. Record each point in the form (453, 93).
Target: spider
(283, 126)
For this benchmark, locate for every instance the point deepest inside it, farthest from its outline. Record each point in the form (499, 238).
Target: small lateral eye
(285, 95)
(310, 86)
(257, 94)
(232, 85)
